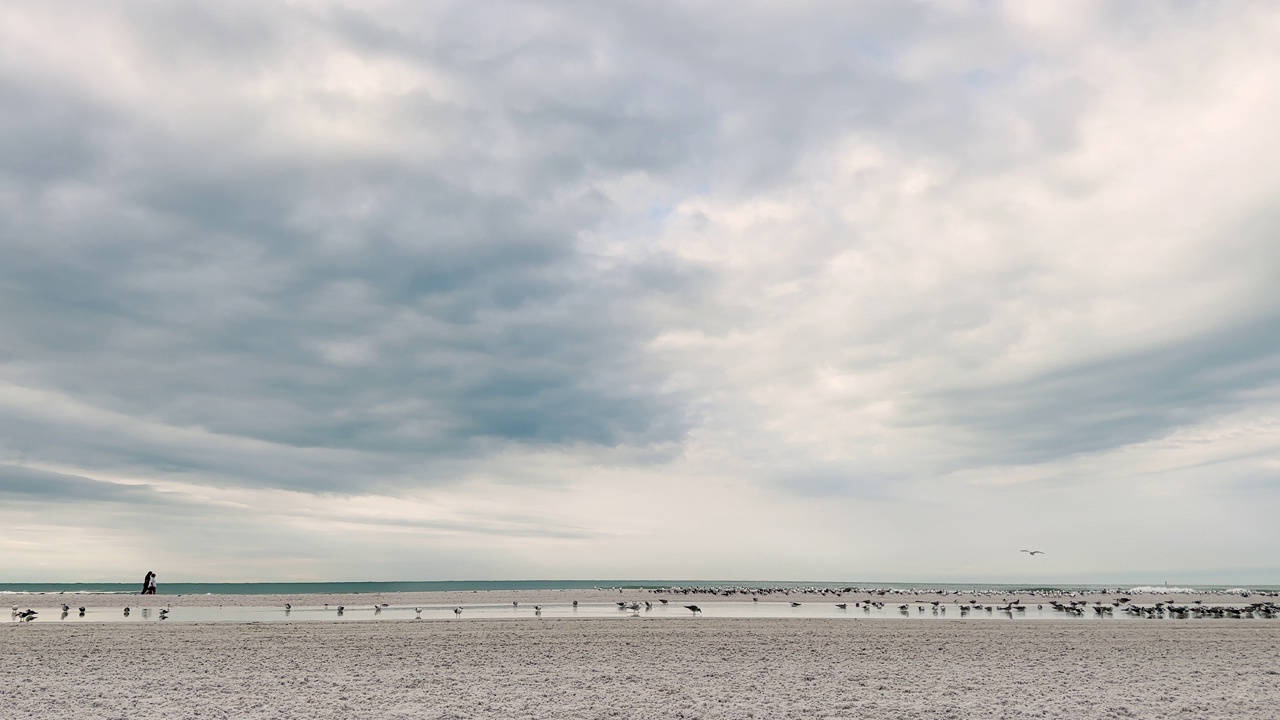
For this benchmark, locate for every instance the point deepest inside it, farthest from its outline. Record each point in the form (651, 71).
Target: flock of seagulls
(876, 601)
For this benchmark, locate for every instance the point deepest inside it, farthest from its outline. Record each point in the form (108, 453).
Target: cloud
(820, 259)
(21, 483)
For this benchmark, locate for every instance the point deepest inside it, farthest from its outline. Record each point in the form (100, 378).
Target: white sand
(641, 668)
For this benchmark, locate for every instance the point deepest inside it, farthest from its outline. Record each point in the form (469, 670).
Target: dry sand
(641, 668)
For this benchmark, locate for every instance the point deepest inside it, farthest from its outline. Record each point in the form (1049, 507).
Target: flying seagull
(1032, 552)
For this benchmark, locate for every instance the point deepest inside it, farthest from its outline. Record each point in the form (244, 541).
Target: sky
(880, 291)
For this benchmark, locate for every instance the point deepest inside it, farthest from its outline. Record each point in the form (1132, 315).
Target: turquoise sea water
(316, 588)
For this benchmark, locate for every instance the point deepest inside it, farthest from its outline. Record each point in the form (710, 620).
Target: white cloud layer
(888, 291)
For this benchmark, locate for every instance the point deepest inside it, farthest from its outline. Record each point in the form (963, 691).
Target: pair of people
(149, 584)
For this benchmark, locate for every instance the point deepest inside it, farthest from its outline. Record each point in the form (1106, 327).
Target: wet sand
(549, 597)
(642, 668)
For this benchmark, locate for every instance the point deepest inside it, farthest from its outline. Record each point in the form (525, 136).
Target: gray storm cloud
(494, 266)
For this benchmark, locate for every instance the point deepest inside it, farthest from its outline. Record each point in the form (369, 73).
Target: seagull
(537, 610)
(66, 608)
(795, 604)
(694, 608)
(457, 612)
(377, 610)
(82, 611)
(1032, 552)
(341, 608)
(288, 607)
(419, 611)
(842, 606)
(575, 603)
(126, 611)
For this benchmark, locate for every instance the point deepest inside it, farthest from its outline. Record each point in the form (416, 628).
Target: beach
(642, 668)
(529, 597)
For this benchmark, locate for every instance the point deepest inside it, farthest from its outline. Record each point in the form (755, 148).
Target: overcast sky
(778, 290)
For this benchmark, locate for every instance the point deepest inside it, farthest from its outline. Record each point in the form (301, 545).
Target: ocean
(317, 588)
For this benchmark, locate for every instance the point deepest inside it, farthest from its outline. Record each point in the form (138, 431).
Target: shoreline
(530, 597)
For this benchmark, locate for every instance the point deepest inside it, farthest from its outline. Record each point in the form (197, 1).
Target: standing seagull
(1032, 552)
(694, 608)
(457, 612)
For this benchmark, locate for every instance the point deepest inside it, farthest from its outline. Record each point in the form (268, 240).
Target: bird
(126, 611)
(537, 610)
(842, 606)
(457, 612)
(341, 608)
(418, 610)
(1032, 552)
(575, 603)
(694, 608)
(795, 604)
(288, 607)
(377, 610)
(82, 611)
(65, 607)
(164, 613)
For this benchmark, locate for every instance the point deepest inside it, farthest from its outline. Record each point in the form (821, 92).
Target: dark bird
(81, 611)
(795, 604)
(457, 612)
(288, 607)
(1032, 552)
(842, 606)
(694, 608)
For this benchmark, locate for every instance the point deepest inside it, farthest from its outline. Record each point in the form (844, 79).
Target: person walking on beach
(149, 584)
